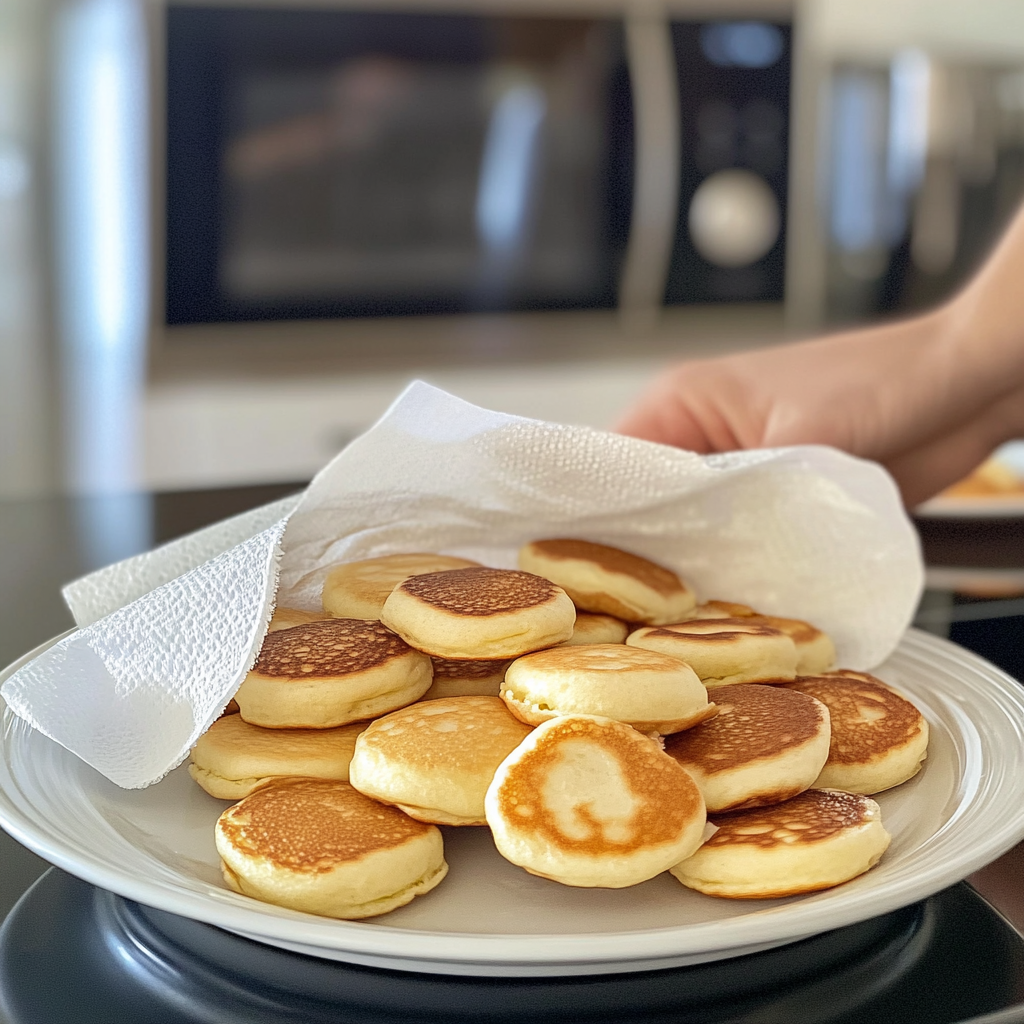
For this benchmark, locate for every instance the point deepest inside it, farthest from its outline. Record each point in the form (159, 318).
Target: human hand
(899, 394)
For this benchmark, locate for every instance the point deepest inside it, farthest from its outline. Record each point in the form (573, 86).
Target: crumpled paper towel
(167, 637)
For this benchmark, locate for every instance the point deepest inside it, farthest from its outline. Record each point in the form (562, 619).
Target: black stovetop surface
(74, 954)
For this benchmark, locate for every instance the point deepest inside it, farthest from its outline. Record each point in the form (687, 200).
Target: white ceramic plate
(1010, 457)
(491, 918)
(1008, 506)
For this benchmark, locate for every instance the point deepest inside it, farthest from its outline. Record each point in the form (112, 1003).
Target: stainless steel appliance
(366, 161)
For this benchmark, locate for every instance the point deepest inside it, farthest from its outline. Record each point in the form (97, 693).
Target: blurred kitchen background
(231, 232)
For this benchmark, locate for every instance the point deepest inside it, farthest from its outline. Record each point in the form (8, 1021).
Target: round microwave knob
(734, 218)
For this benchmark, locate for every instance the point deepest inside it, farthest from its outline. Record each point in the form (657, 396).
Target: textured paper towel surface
(132, 693)
(807, 532)
(100, 593)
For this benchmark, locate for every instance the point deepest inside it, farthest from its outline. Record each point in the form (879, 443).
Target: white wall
(982, 29)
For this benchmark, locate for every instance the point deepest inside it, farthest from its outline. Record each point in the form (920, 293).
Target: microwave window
(340, 163)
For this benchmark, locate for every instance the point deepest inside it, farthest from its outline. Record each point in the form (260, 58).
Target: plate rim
(1010, 506)
(534, 954)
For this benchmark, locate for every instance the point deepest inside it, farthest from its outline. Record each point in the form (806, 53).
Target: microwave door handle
(652, 69)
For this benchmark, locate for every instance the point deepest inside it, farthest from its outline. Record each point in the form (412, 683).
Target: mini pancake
(435, 760)
(285, 618)
(879, 739)
(849, 673)
(610, 581)
(324, 674)
(358, 590)
(479, 613)
(320, 846)
(650, 691)
(815, 650)
(816, 840)
(455, 678)
(588, 801)
(591, 628)
(233, 757)
(723, 651)
(761, 748)
(721, 610)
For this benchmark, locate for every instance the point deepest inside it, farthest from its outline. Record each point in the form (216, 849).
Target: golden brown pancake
(993, 478)
(435, 760)
(233, 757)
(457, 678)
(591, 628)
(722, 610)
(325, 674)
(814, 841)
(322, 847)
(358, 590)
(285, 618)
(815, 650)
(879, 739)
(479, 613)
(610, 581)
(849, 673)
(761, 748)
(591, 802)
(651, 692)
(723, 651)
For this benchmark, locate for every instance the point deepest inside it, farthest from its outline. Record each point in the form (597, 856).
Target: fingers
(701, 406)
(889, 393)
(661, 414)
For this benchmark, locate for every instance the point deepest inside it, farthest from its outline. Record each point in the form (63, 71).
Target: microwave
(268, 215)
(369, 160)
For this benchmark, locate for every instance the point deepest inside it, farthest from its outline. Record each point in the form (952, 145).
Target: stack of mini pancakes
(566, 706)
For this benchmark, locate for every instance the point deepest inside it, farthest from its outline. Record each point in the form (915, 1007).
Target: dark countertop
(46, 542)
(995, 542)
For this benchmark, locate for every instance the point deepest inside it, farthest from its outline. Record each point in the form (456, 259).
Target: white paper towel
(168, 636)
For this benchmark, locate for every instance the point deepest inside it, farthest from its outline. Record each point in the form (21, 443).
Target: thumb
(661, 415)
